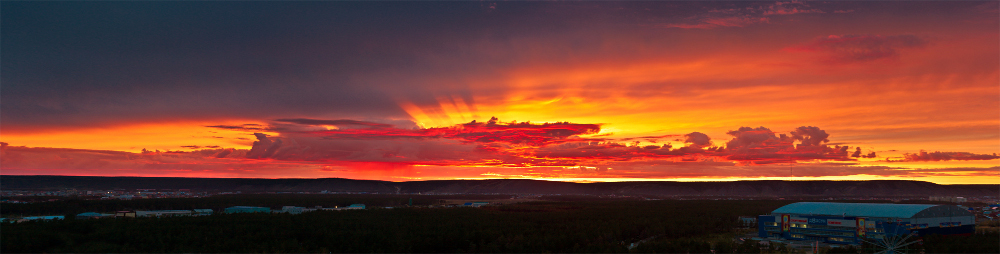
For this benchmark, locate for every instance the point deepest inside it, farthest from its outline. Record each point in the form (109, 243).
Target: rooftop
(853, 209)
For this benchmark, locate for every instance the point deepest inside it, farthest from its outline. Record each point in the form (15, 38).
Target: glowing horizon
(580, 91)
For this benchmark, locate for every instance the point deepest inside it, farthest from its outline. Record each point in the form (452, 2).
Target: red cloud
(857, 154)
(475, 143)
(527, 144)
(744, 16)
(843, 49)
(490, 143)
(947, 156)
(245, 127)
(302, 148)
(493, 131)
(787, 8)
(338, 123)
(761, 146)
(750, 145)
(64, 161)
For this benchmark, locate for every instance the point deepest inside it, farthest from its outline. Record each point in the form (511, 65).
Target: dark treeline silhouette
(593, 226)
(879, 188)
(73, 206)
(988, 242)
(662, 226)
(978, 243)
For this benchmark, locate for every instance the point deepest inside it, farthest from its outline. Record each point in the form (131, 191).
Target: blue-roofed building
(202, 212)
(476, 204)
(292, 209)
(163, 213)
(23, 219)
(93, 215)
(847, 223)
(247, 209)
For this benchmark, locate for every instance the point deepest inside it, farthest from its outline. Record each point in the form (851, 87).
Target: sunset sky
(567, 91)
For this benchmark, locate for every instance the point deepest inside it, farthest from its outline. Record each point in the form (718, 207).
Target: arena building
(848, 223)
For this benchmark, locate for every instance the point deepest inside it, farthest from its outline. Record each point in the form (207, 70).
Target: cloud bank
(314, 146)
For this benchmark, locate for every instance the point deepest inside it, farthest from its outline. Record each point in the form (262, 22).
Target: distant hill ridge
(770, 188)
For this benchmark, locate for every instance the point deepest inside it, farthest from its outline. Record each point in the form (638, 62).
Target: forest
(73, 206)
(576, 226)
(571, 225)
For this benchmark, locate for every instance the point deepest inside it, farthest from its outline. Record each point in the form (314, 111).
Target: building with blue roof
(59, 217)
(93, 215)
(202, 212)
(247, 209)
(163, 213)
(476, 204)
(848, 223)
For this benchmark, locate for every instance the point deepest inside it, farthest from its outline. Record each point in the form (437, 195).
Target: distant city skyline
(565, 91)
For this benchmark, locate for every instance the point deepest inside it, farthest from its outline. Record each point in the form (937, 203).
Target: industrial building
(125, 214)
(41, 218)
(476, 204)
(163, 213)
(247, 209)
(293, 209)
(93, 215)
(948, 199)
(848, 223)
(353, 207)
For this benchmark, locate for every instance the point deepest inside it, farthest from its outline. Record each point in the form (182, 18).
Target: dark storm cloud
(97, 63)
(92, 62)
(264, 147)
(104, 63)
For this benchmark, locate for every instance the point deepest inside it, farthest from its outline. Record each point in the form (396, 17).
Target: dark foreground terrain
(664, 226)
(770, 189)
(70, 206)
